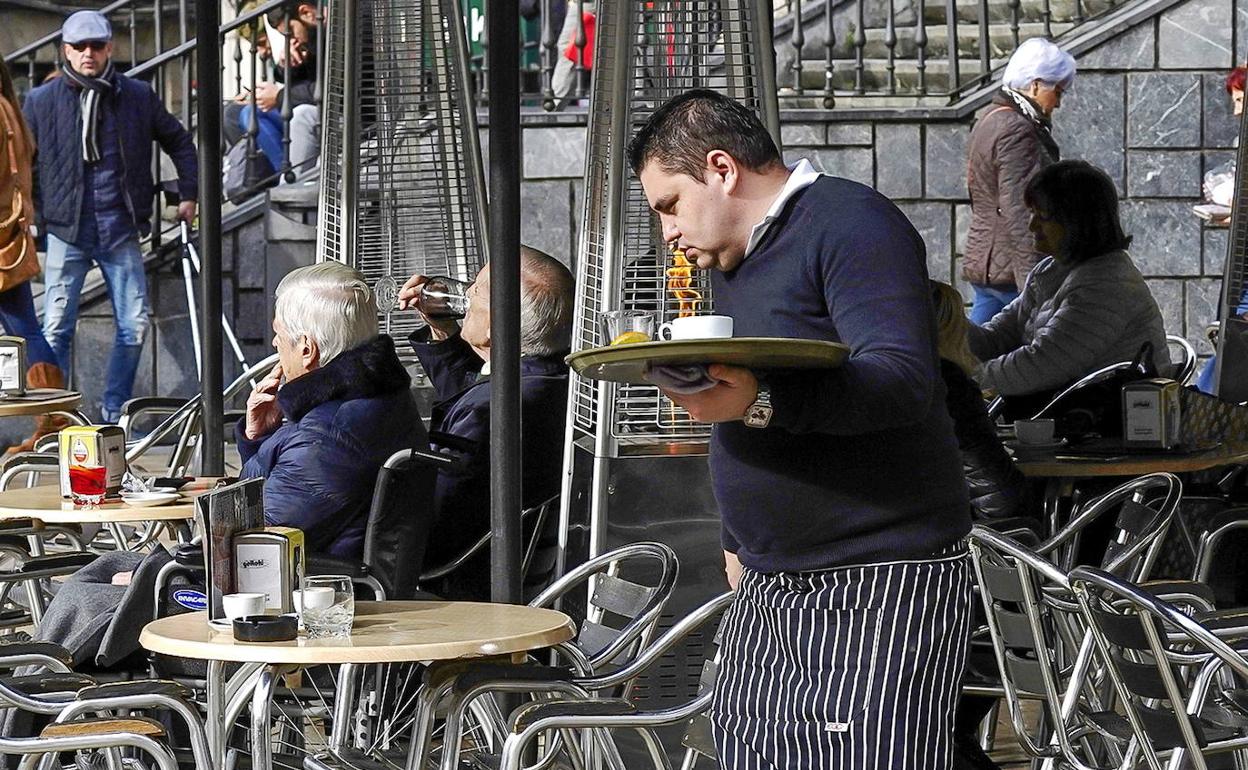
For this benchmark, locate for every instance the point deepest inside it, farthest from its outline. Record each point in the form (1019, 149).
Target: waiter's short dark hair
(1084, 201)
(686, 127)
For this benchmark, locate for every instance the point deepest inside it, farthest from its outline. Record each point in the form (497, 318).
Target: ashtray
(266, 628)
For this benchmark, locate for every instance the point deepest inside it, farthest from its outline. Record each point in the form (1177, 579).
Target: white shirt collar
(801, 175)
(485, 369)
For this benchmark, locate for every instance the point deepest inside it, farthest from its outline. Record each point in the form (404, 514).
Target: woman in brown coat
(18, 262)
(1011, 142)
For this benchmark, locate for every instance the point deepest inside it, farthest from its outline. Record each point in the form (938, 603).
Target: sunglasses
(94, 45)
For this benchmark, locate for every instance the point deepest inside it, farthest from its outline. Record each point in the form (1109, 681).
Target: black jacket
(997, 489)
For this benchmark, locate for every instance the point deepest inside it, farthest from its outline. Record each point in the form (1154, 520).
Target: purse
(18, 263)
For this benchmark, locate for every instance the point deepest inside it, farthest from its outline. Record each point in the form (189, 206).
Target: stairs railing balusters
(1078, 11)
(238, 63)
(890, 42)
(547, 57)
(951, 25)
(483, 85)
(985, 43)
(920, 44)
(1014, 6)
(860, 44)
(286, 171)
(798, 41)
(134, 37)
(579, 41)
(318, 89)
(253, 116)
(188, 62)
(1046, 14)
(829, 56)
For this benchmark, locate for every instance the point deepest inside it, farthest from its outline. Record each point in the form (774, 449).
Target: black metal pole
(208, 96)
(503, 24)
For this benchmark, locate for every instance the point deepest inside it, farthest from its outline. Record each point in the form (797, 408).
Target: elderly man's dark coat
(461, 424)
(342, 421)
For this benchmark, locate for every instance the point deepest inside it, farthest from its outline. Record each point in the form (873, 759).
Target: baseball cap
(86, 25)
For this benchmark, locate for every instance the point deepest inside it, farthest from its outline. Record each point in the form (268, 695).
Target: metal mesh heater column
(405, 193)
(647, 51)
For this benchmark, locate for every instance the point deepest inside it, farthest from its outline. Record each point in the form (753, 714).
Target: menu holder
(223, 513)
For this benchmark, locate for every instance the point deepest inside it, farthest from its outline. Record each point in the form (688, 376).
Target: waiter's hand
(732, 567)
(727, 401)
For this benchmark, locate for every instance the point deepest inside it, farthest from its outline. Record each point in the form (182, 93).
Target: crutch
(190, 268)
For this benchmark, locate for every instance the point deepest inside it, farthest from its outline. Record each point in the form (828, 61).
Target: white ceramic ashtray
(148, 499)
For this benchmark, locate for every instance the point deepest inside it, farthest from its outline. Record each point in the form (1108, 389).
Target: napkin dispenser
(12, 366)
(270, 561)
(93, 446)
(1151, 415)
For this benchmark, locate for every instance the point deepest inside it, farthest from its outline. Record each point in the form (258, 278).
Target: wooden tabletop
(45, 503)
(384, 632)
(69, 400)
(1065, 463)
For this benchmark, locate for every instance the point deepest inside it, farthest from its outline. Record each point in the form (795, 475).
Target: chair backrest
(538, 524)
(621, 611)
(1042, 648)
(400, 518)
(1143, 510)
(1162, 664)
(1183, 369)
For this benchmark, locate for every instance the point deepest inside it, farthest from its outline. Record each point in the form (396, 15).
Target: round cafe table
(383, 632)
(46, 504)
(62, 402)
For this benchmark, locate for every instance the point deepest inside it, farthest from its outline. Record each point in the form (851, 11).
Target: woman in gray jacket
(1084, 307)
(1010, 143)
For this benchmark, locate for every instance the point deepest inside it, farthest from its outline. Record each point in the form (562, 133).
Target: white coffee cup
(242, 605)
(316, 598)
(698, 327)
(1034, 431)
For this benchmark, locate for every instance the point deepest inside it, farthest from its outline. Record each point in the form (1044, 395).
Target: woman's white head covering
(1039, 59)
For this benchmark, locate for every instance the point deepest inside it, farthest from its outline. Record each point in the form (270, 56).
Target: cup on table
(1034, 431)
(242, 605)
(327, 605)
(697, 327)
(620, 327)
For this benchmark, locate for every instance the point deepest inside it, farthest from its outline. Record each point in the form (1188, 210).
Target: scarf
(1027, 108)
(91, 90)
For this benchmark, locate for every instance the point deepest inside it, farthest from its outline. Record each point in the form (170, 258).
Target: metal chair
(599, 645)
(1184, 369)
(601, 715)
(397, 531)
(1174, 676)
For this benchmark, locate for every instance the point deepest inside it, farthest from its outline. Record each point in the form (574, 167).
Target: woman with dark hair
(1085, 306)
(18, 263)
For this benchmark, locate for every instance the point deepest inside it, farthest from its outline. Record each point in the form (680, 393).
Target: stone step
(936, 12)
(1001, 38)
(875, 74)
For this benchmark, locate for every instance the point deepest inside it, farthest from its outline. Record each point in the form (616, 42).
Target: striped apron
(855, 668)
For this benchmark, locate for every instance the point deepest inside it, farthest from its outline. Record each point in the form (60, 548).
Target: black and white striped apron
(855, 668)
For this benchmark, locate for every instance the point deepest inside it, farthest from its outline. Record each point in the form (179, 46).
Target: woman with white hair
(1011, 141)
(338, 403)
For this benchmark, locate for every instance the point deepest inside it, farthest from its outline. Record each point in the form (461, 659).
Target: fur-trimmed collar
(369, 370)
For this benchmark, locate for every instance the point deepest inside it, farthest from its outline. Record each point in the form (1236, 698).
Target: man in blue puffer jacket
(93, 129)
(319, 439)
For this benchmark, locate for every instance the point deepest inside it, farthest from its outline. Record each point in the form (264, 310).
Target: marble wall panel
(1089, 125)
(849, 134)
(554, 152)
(852, 163)
(1163, 109)
(945, 160)
(1169, 296)
(1215, 243)
(1135, 49)
(934, 221)
(1163, 173)
(1203, 297)
(899, 160)
(1166, 237)
(546, 217)
(1220, 126)
(1196, 34)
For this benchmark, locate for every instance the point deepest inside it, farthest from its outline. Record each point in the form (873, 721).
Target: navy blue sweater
(860, 463)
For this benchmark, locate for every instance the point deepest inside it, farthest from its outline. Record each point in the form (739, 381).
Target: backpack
(243, 173)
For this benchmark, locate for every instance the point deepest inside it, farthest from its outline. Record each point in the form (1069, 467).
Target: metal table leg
(261, 713)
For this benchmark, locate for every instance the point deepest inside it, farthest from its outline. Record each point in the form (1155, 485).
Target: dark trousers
(856, 667)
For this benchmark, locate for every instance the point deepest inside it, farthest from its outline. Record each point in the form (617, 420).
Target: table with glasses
(383, 632)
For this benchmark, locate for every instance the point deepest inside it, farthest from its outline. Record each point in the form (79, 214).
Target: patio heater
(402, 185)
(1231, 375)
(634, 462)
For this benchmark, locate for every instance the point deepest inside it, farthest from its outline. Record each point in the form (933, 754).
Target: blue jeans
(122, 267)
(17, 315)
(268, 134)
(990, 300)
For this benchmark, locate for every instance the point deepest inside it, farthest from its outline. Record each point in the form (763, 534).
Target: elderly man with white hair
(457, 362)
(1011, 141)
(319, 439)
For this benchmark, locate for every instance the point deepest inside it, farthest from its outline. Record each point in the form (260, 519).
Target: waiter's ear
(723, 167)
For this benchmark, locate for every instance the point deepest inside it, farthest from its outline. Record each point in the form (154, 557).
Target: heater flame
(679, 281)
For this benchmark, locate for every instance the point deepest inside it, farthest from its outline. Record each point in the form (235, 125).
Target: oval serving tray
(627, 363)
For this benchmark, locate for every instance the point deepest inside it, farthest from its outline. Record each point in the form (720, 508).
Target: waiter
(841, 491)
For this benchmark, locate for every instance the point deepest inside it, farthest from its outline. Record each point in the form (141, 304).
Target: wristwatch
(759, 413)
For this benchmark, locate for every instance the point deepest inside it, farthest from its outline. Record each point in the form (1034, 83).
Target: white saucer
(148, 499)
(1020, 446)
